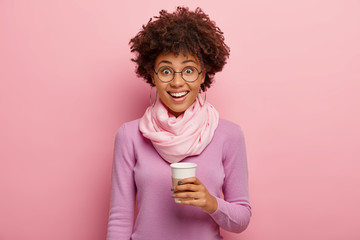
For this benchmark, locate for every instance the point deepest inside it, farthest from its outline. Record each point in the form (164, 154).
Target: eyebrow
(168, 62)
(186, 61)
(165, 61)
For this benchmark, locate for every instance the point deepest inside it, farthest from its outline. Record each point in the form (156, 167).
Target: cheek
(160, 91)
(158, 85)
(197, 88)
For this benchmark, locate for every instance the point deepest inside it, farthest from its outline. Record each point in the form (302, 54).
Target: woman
(178, 54)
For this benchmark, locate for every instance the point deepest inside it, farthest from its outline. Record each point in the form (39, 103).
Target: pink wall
(67, 84)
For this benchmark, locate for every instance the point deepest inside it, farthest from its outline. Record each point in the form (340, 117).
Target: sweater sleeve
(234, 211)
(123, 189)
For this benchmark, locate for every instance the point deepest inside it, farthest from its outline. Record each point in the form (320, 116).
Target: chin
(176, 112)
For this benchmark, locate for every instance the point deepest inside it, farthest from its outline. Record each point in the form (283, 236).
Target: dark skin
(193, 188)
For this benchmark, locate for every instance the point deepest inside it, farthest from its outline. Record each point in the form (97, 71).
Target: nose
(178, 80)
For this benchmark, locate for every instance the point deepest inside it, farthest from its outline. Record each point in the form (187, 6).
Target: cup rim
(183, 165)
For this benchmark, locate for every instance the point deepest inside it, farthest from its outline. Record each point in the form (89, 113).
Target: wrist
(212, 206)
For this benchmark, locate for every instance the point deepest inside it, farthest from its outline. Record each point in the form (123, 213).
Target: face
(178, 95)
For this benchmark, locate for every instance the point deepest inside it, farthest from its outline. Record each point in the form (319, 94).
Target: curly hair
(183, 31)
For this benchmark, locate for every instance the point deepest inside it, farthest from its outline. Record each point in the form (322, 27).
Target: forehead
(175, 60)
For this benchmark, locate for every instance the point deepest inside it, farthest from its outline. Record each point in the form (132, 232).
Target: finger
(195, 202)
(187, 187)
(195, 195)
(193, 180)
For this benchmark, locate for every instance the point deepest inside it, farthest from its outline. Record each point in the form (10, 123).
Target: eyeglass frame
(178, 72)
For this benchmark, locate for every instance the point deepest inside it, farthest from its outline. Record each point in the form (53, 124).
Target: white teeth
(179, 94)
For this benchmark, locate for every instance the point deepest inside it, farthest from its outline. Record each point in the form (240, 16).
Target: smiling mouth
(178, 94)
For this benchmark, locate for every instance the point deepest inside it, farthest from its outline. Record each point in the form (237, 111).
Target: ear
(203, 77)
(152, 78)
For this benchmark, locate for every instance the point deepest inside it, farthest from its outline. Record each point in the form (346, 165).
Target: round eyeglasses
(189, 74)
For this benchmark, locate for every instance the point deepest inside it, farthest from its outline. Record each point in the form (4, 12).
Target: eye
(166, 71)
(189, 70)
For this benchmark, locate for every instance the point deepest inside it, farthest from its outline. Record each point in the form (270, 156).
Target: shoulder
(229, 129)
(131, 125)
(232, 139)
(128, 129)
(229, 135)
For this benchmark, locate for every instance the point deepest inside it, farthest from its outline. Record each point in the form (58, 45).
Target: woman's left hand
(193, 188)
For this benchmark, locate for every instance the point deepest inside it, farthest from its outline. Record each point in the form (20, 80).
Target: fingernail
(180, 182)
(172, 189)
(173, 195)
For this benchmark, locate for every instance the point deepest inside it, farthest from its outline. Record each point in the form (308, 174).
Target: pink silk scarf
(177, 138)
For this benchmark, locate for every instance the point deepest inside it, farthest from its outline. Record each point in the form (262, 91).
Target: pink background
(67, 83)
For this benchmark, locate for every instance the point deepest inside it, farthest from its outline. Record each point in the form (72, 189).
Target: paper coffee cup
(180, 171)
